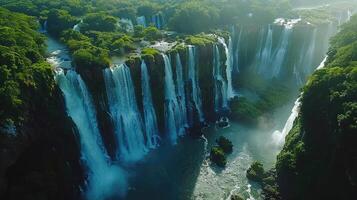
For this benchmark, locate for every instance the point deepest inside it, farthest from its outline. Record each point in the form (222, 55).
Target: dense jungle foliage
(24, 74)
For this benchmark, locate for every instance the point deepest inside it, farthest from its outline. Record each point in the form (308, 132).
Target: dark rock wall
(43, 160)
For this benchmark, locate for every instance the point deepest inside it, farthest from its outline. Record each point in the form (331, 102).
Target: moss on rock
(218, 157)
(256, 172)
(225, 144)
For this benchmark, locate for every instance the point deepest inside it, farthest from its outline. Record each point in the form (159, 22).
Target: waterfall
(103, 179)
(236, 59)
(322, 64)
(195, 99)
(281, 51)
(77, 27)
(141, 21)
(127, 24)
(43, 28)
(156, 20)
(259, 50)
(310, 54)
(125, 114)
(220, 85)
(278, 137)
(173, 117)
(150, 120)
(266, 53)
(349, 15)
(229, 70)
(330, 32)
(298, 79)
(181, 93)
(306, 58)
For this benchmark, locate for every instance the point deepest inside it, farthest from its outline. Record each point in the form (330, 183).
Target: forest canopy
(23, 69)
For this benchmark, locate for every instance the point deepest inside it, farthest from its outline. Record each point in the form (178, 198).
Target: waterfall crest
(150, 120)
(103, 178)
(125, 114)
(195, 100)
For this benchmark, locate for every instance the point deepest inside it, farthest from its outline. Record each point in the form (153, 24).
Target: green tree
(59, 20)
(99, 22)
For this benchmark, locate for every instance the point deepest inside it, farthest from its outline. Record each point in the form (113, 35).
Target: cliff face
(93, 78)
(39, 155)
(318, 160)
(42, 159)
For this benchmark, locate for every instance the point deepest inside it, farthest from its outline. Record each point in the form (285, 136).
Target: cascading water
(229, 70)
(141, 21)
(150, 120)
(259, 49)
(193, 81)
(173, 113)
(127, 24)
(220, 85)
(236, 59)
(103, 179)
(156, 20)
(278, 137)
(310, 54)
(125, 114)
(349, 15)
(265, 56)
(45, 26)
(180, 90)
(279, 56)
(77, 27)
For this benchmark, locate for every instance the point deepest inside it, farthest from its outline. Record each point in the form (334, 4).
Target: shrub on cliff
(256, 172)
(91, 58)
(123, 45)
(225, 144)
(218, 157)
(200, 40)
(149, 53)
